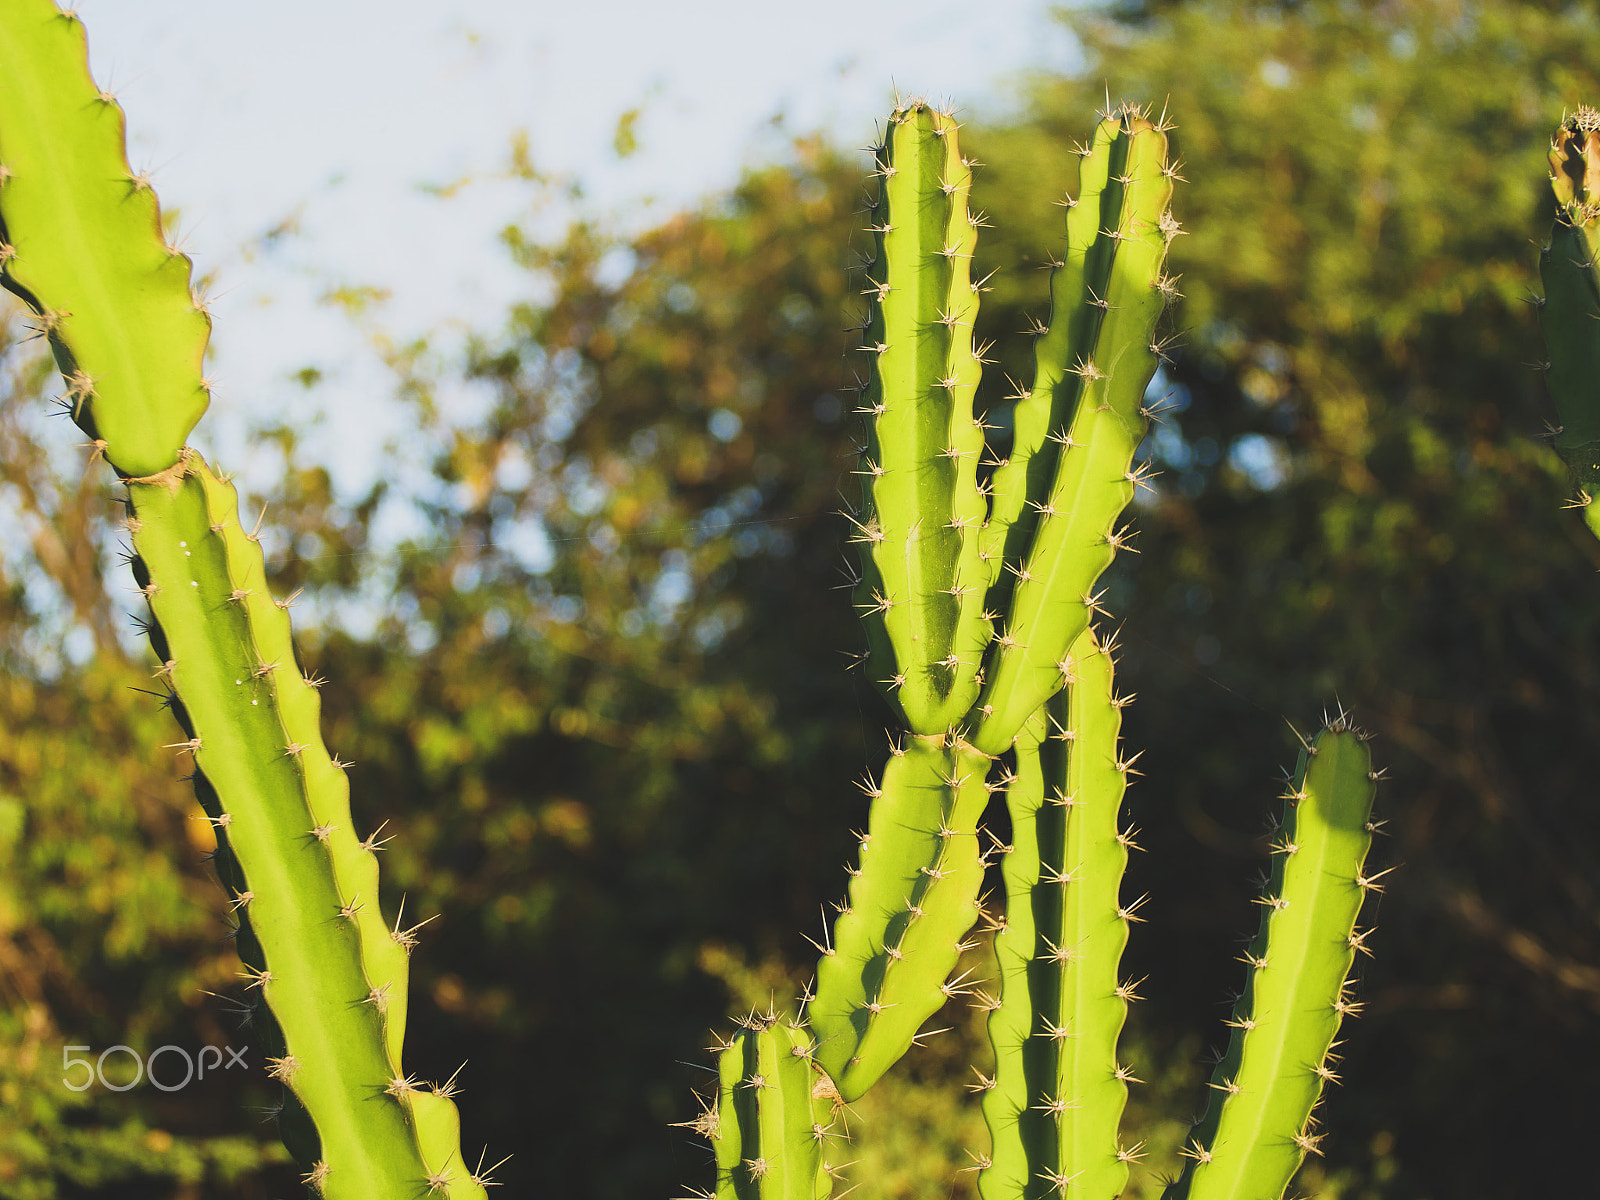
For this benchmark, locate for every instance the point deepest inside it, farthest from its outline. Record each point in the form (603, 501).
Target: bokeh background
(530, 338)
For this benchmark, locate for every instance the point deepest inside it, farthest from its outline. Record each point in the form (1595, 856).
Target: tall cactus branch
(1258, 1128)
(1058, 1090)
(81, 243)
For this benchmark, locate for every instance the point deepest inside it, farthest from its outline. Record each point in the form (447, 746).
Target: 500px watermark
(194, 1066)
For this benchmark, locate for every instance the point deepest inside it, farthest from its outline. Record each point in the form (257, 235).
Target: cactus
(932, 565)
(977, 596)
(1058, 1090)
(1258, 1126)
(77, 225)
(1570, 268)
(773, 1116)
(1028, 677)
(82, 246)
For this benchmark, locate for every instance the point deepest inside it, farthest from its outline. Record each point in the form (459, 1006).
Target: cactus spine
(1570, 268)
(82, 246)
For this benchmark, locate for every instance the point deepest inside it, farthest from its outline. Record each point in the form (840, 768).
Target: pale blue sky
(336, 111)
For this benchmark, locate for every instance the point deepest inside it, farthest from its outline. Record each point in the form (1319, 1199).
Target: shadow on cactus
(978, 568)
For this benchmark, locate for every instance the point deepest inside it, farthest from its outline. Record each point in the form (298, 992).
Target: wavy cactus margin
(1569, 310)
(81, 243)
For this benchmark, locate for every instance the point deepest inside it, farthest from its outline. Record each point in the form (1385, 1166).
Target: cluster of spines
(922, 582)
(303, 888)
(912, 901)
(1056, 1097)
(1259, 1124)
(774, 1116)
(1569, 266)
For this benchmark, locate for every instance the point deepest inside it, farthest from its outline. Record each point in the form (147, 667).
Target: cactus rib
(912, 899)
(81, 244)
(921, 591)
(1058, 1089)
(1257, 1128)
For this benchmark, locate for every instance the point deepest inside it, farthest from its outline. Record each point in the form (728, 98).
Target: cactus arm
(334, 975)
(1062, 1003)
(1257, 1127)
(81, 243)
(1050, 402)
(922, 582)
(1073, 538)
(1569, 267)
(912, 899)
(773, 1116)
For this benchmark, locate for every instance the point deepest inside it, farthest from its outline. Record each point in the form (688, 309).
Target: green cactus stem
(1569, 312)
(1258, 1127)
(81, 244)
(1058, 1090)
(921, 590)
(332, 972)
(773, 1117)
(1069, 475)
(913, 898)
